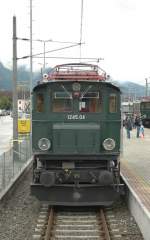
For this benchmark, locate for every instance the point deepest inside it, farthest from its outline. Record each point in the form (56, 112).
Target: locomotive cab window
(145, 105)
(91, 102)
(62, 102)
(39, 102)
(112, 103)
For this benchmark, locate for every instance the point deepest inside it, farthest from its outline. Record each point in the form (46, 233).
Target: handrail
(77, 71)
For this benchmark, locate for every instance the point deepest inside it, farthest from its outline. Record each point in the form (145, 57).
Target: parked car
(3, 112)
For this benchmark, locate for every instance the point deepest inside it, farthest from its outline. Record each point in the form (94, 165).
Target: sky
(117, 31)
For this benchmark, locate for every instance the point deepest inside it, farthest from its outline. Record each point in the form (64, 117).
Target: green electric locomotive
(76, 128)
(145, 112)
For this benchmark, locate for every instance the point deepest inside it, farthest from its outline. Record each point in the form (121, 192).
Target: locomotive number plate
(76, 117)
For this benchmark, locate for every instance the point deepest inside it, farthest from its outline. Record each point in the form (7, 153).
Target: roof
(76, 71)
(45, 84)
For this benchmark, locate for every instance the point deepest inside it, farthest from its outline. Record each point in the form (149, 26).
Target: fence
(11, 163)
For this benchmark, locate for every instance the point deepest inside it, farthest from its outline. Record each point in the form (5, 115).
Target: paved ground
(6, 132)
(136, 153)
(11, 164)
(135, 165)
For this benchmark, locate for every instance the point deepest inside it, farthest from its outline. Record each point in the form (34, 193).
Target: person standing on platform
(141, 134)
(138, 125)
(128, 126)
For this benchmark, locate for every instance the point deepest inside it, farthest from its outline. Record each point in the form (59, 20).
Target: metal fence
(12, 162)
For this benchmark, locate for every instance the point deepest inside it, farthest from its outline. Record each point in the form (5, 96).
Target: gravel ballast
(19, 214)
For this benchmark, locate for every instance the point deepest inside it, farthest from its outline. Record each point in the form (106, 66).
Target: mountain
(23, 77)
(128, 88)
(5, 78)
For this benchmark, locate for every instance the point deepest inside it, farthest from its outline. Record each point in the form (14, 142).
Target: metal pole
(31, 75)
(44, 58)
(81, 23)
(15, 97)
(146, 87)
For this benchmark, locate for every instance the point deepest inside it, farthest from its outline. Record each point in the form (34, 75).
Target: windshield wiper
(86, 90)
(66, 91)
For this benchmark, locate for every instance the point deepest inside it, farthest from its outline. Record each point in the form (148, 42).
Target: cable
(58, 49)
(94, 59)
(81, 25)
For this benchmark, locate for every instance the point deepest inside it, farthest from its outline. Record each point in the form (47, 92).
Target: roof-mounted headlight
(45, 77)
(44, 144)
(109, 144)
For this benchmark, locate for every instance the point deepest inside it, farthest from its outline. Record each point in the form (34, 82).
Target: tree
(5, 102)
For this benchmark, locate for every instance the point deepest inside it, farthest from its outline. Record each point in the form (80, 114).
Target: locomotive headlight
(109, 144)
(44, 144)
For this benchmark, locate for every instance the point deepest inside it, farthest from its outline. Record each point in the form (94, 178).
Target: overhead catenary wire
(37, 55)
(81, 25)
(47, 40)
(74, 58)
(74, 44)
(54, 50)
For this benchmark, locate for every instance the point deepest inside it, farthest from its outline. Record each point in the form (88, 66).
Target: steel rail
(104, 225)
(49, 225)
(64, 222)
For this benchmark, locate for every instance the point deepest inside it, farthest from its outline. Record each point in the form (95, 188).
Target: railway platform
(6, 133)
(11, 168)
(135, 171)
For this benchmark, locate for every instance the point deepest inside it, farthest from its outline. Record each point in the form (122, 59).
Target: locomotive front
(145, 112)
(76, 125)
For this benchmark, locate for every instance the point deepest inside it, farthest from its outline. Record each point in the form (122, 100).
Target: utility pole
(81, 26)
(146, 87)
(31, 75)
(15, 97)
(44, 58)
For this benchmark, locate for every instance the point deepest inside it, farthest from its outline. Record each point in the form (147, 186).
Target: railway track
(76, 225)
(23, 217)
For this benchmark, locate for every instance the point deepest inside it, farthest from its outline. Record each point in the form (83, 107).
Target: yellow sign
(24, 125)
